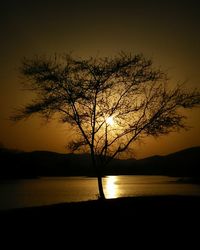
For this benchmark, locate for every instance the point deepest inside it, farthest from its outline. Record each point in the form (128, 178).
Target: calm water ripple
(44, 191)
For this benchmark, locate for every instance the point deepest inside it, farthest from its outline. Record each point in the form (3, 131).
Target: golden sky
(166, 31)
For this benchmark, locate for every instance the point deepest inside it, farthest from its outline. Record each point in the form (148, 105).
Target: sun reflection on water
(110, 187)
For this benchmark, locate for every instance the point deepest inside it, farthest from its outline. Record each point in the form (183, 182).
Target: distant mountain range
(16, 164)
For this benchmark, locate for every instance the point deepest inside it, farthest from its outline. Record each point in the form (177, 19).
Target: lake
(47, 190)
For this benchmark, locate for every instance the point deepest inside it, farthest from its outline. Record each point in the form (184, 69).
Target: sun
(110, 121)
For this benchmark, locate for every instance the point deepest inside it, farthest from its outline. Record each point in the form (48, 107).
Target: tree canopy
(110, 102)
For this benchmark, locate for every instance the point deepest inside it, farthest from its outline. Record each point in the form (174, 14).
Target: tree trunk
(99, 177)
(100, 186)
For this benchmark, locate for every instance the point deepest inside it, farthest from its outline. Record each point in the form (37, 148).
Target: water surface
(44, 191)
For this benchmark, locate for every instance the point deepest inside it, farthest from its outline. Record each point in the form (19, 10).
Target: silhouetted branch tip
(86, 92)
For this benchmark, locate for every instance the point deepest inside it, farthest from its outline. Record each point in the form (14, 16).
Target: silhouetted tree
(111, 102)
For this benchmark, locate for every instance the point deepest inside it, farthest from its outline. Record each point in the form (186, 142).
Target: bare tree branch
(86, 92)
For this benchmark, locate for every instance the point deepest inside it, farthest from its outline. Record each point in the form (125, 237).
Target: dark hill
(181, 163)
(17, 164)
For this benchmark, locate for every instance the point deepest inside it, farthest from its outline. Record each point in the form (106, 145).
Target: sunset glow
(94, 29)
(110, 121)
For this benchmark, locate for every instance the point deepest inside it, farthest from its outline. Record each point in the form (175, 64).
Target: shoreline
(126, 219)
(125, 207)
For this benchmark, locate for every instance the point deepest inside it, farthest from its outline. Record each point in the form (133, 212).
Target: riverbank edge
(146, 207)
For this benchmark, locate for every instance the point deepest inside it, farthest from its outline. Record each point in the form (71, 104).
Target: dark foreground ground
(155, 208)
(163, 217)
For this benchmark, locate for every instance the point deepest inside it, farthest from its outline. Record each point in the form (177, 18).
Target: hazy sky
(166, 31)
